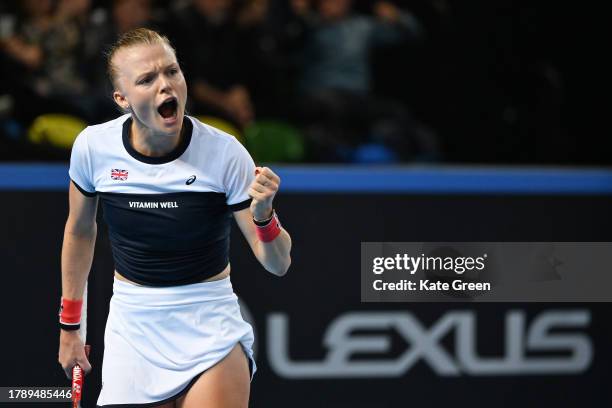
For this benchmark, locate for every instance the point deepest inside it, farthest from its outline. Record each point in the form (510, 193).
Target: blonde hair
(134, 37)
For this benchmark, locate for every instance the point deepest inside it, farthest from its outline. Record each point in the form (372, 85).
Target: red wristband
(269, 231)
(70, 311)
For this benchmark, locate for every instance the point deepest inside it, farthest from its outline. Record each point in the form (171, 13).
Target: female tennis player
(168, 186)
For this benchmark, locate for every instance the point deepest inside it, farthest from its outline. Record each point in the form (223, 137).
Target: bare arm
(79, 240)
(275, 255)
(77, 256)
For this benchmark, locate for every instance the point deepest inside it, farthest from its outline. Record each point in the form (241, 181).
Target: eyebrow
(145, 74)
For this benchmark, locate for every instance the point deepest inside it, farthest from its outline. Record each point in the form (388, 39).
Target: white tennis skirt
(159, 340)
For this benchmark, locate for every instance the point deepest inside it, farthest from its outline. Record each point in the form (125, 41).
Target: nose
(164, 84)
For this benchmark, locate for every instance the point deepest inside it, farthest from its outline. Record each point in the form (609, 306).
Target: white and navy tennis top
(169, 218)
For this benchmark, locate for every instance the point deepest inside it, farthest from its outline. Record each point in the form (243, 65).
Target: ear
(121, 100)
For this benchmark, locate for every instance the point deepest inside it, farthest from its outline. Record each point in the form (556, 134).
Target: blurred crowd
(360, 81)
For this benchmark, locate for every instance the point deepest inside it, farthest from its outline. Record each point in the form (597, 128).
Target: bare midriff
(221, 275)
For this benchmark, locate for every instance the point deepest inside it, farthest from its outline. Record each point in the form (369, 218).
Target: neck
(145, 141)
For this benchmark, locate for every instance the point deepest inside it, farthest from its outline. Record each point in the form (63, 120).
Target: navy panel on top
(168, 239)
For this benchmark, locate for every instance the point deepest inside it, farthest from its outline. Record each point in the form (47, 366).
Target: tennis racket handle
(77, 381)
(77, 385)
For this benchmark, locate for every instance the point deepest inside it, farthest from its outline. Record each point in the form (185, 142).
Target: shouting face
(151, 85)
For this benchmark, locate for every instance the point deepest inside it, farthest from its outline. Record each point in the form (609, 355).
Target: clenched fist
(262, 191)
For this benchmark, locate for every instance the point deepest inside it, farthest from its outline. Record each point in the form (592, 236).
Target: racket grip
(77, 385)
(77, 381)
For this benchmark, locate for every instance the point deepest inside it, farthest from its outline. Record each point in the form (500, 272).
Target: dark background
(503, 81)
(322, 284)
(507, 81)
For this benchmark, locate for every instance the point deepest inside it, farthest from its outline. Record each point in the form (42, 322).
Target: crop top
(169, 217)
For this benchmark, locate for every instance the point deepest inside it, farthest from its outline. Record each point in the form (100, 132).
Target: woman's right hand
(72, 352)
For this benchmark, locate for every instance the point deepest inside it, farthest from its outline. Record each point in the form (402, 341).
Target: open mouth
(168, 109)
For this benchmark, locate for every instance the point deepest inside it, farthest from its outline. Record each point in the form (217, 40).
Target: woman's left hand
(262, 191)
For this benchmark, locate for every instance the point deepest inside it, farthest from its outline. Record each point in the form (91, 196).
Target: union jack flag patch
(117, 174)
